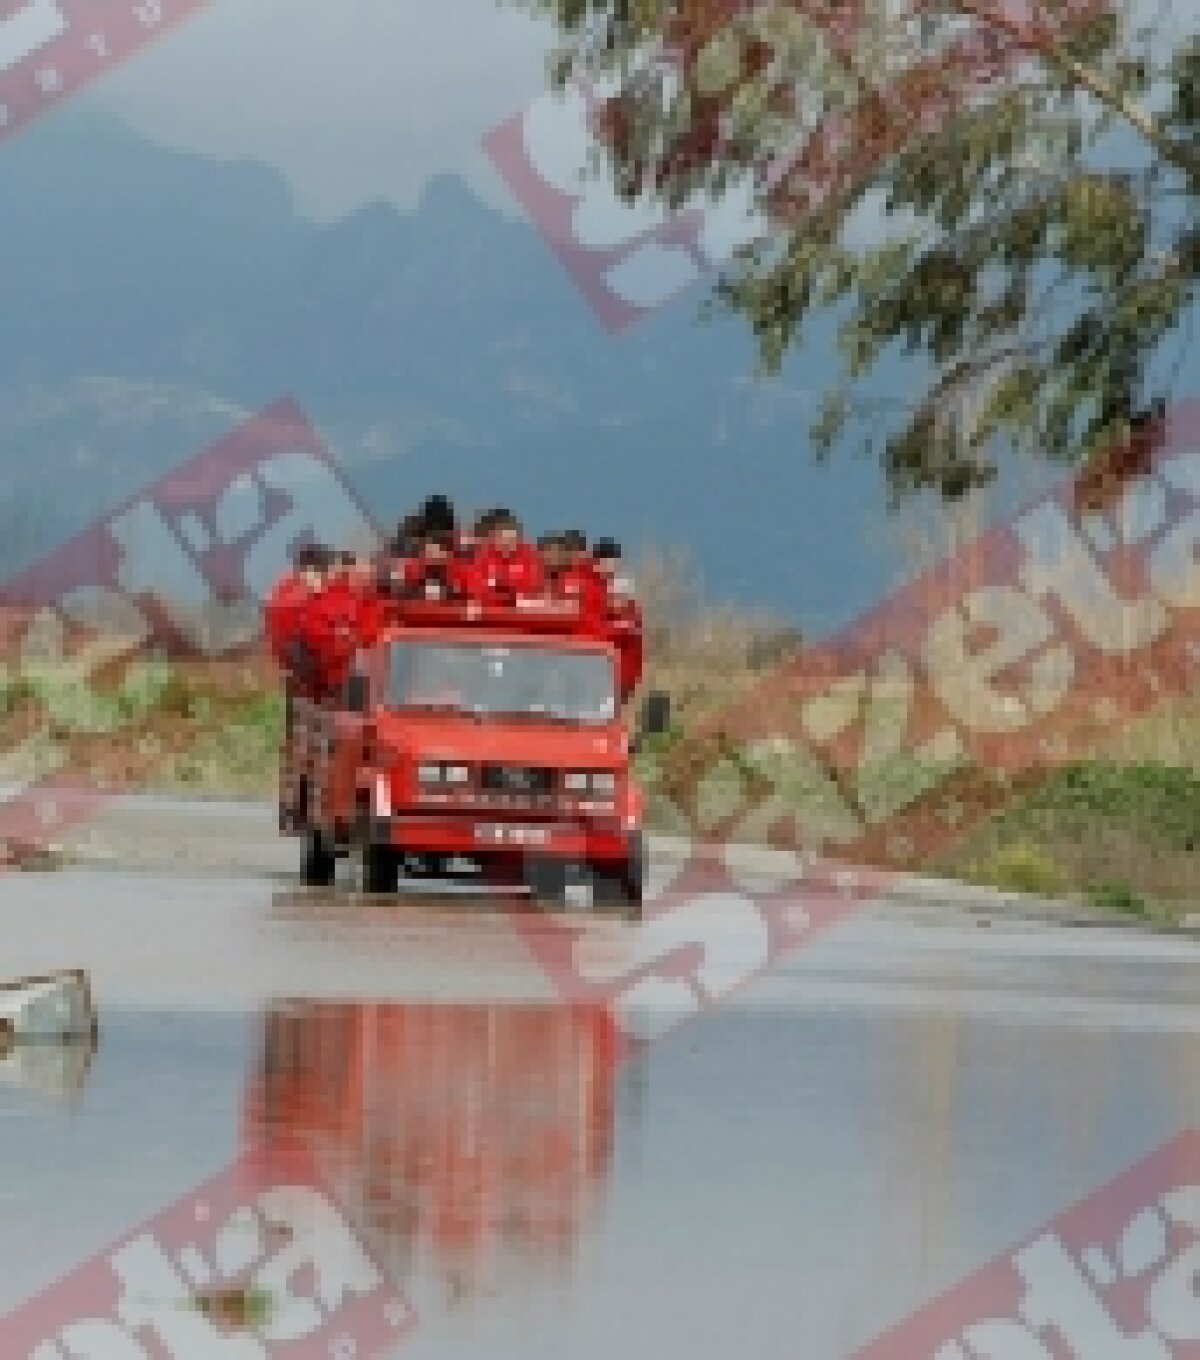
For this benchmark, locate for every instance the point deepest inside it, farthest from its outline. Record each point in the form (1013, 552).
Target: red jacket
(585, 586)
(407, 578)
(502, 577)
(286, 619)
(372, 612)
(334, 630)
(625, 631)
(624, 628)
(281, 609)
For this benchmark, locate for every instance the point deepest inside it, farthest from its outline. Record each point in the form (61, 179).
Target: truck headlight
(443, 774)
(603, 782)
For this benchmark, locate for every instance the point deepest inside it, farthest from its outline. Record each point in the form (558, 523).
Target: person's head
(313, 561)
(407, 537)
(437, 515)
(554, 551)
(436, 546)
(357, 567)
(606, 553)
(506, 531)
(575, 544)
(482, 528)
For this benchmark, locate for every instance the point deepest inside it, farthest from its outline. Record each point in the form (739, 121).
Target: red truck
(477, 740)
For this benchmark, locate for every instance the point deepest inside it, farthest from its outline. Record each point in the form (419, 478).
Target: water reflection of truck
(480, 739)
(451, 1134)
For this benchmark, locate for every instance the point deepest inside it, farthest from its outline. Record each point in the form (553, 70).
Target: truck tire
(380, 869)
(623, 884)
(546, 879)
(319, 865)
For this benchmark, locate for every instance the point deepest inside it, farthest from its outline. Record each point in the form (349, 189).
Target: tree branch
(1178, 153)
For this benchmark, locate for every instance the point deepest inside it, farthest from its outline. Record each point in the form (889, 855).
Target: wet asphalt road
(807, 1149)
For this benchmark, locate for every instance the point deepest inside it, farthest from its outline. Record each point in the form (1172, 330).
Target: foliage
(1104, 825)
(1012, 202)
(1159, 804)
(1019, 867)
(1119, 897)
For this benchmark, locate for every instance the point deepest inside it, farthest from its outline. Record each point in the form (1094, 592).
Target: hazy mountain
(150, 298)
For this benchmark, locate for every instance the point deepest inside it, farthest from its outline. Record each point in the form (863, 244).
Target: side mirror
(656, 714)
(356, 693)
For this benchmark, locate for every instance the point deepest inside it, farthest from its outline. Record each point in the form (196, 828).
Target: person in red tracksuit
(430, 557)
(286, 617)
(371, 614)
(336, 623)
(623, 614)
(397, 567)
(572, 576)
(439, 572)
(509, 568)
(553, 551)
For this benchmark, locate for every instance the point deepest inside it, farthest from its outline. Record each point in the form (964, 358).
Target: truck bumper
(482, 836)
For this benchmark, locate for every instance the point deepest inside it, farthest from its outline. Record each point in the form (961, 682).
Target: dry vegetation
(1121, 828)
(705, 656)
(117, 719)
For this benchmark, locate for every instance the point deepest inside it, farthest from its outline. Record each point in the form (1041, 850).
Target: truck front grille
(521, 779)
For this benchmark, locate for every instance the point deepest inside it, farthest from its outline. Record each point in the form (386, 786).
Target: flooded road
(807, 1152)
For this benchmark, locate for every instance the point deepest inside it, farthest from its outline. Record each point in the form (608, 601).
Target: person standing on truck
(623, 615)
(406, 541)
(555, 558)
(466, 541)
(286, 616)
(369, 607)
(510, 569)
(606, 558)
(438, 517)
(439, 573)
(396, 567)
(338, 621)
(575, 541)
(570, 577)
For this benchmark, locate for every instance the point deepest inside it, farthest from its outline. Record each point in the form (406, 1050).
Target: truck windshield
(532, 681)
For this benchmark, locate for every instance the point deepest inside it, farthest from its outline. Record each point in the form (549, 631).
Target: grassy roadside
(1122, 837)
(1120, 830)
(136, 723)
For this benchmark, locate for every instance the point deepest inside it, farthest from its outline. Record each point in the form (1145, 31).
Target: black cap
(606, 547)
(313, 555)
(438, 514)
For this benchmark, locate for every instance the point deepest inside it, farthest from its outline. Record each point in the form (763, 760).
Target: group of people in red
(331, 603)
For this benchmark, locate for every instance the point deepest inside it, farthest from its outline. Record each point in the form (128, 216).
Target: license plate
(492, 834)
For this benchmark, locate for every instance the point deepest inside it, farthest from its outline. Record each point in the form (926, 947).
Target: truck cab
(469, 742)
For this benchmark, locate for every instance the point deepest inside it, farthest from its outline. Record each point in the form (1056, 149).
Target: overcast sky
(352, 100)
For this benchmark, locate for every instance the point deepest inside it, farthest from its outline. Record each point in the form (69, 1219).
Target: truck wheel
(381, 869)
(546, 879)
(622, 885)
(319, 865)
